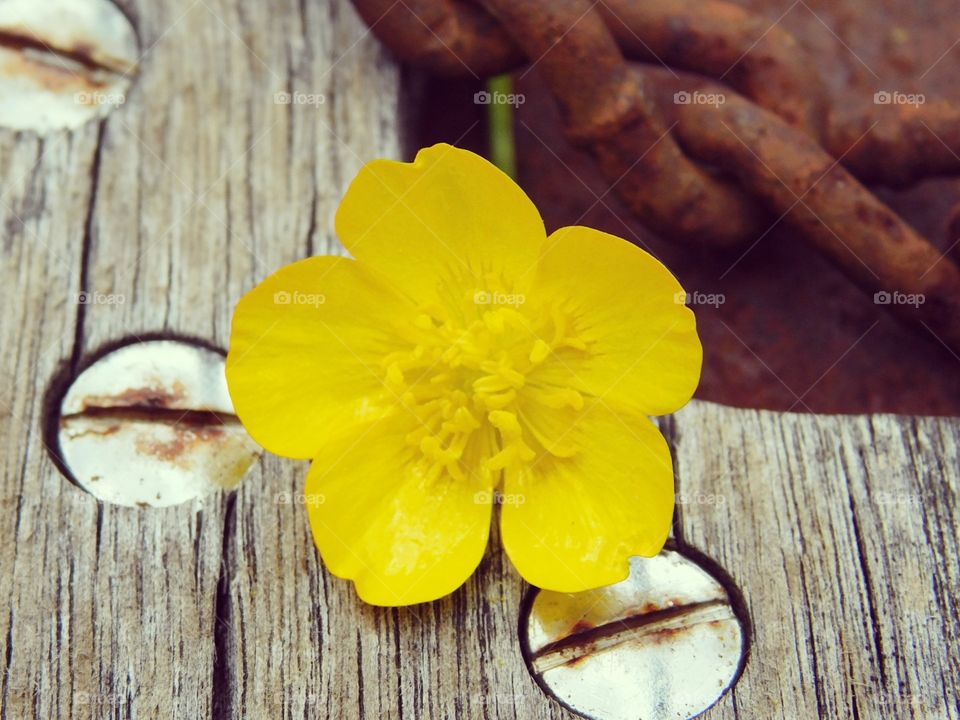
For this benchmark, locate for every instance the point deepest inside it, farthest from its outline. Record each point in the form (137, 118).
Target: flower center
(469, 381)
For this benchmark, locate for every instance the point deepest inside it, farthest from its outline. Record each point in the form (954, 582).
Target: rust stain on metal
(111, 430)
(154, 397)
(581, 626)
(82, 53)
(55, 78)
(669, 633)
(587, 637)
(178, 450)
(573, 662)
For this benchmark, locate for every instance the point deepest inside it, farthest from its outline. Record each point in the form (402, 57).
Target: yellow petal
(444, 228)
(305, 352)
(379, 517)
(571, 523)
(641, 351)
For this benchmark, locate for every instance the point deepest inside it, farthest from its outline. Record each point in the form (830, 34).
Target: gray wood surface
(841, 532)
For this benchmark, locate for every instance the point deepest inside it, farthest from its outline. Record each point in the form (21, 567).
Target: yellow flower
(463, 359)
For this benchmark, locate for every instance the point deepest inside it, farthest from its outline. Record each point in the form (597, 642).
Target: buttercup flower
(464, 358)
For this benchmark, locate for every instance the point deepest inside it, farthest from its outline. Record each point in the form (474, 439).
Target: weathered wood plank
(842, 533)
(197, 188)
(199, 185)
(42, 252)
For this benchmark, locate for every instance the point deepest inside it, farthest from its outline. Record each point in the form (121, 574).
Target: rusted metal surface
(449, 37)
(63, 62)
(898, 145)
(830, 209)
(664, 643)
(668, 181)
(718, 39)
(607, 107)
(151, 424)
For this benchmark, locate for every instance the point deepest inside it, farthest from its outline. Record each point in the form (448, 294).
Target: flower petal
(444, 227)
(381, 519)
(571, 523)
(643, 352)
(305, 352)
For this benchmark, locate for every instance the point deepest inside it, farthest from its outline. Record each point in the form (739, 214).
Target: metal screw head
(151, 424)
(63, 62)
(664, 643)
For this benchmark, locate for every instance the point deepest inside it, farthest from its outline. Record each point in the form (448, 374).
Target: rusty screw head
(664, 643)
(63, 62)
(151, 424)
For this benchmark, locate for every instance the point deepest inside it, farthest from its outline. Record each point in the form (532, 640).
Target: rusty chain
(778, 151)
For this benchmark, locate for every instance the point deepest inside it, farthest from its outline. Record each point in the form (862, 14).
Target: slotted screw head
(664, 643)
(152, 424)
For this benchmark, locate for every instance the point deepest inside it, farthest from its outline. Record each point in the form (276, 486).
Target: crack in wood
(223, 670)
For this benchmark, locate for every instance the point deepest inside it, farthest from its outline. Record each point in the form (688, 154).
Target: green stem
(503, 151)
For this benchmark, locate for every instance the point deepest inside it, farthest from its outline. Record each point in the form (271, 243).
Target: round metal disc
(663, 644)
(63, 62)
(151, 424)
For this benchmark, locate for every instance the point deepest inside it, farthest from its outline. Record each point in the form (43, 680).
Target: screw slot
(63, 62)
(151, 424)
(667, 642)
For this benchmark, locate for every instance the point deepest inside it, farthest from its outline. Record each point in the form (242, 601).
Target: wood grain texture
(197, 188)
(180, 201)
(842, 532)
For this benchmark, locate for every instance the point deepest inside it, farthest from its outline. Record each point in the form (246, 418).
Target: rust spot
(580, 626)
(578, 660)
(111, 430)
(188, 436)
(83, 50)
(52, 77)
(661, 636)
(84, 54)
(145, 398)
